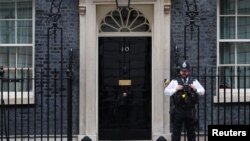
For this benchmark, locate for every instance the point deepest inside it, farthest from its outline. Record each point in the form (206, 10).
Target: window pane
(24, 9)
(243, 53)
(8, 56)
(7, 32)
(243, 7)
(3, 57)
(10, 84)
(26, 76)
(24, 57)
(24, 31)
(226, 77)
(7, 9)
(243, 27)
(16, 28)
(227, 7)
(125, 20)
(227, 27)
(227, 53)
(244, 77)
(15, 83)
(12, 57)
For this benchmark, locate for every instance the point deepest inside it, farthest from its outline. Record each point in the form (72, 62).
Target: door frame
(88, 80)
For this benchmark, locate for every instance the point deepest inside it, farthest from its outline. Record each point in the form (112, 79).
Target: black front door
(125, 88)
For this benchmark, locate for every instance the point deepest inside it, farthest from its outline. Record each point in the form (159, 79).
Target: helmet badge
(184, 65)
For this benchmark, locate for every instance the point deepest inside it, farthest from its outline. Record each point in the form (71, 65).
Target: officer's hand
(179, 87)
(193, 87)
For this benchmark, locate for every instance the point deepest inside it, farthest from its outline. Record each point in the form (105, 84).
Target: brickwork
(51, 94)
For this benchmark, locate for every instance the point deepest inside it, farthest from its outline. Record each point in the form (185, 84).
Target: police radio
(186, 91)
(187, 94)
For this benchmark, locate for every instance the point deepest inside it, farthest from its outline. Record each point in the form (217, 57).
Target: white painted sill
(17, 98)
(236, 96)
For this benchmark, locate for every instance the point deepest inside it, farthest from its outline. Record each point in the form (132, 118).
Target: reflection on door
(124, 88)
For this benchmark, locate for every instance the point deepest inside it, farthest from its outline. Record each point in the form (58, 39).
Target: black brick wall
(51, 102)
(69, 22)
(207, 13)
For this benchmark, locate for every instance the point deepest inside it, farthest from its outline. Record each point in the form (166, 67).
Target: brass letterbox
(124, 82)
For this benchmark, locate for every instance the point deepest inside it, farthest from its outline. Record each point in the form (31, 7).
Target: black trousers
(184, 117)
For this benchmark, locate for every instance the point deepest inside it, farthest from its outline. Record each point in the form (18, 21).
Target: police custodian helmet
(185, 65)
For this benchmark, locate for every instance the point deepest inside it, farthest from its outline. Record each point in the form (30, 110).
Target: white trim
(82, 70)
(125, 34)
(243, 15)
(237, 96)
(104, 2)
(14, 45)
(89, 118)
(232, 65)
(97, 77)
(236, 19)
(15, 21)
(33, 42)
(217, 42)
(234, 40)
(17, 98)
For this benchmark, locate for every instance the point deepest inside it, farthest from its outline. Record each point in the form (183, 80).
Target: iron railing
(25, 118)
(35, 106)
(226, 100)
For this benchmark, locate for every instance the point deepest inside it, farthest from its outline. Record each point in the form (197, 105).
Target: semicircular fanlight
(124, 20)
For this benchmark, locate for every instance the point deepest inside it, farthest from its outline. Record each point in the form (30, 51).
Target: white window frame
(24, 97)
(234, 94)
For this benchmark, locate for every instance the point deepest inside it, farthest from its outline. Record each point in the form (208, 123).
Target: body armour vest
(186, 97)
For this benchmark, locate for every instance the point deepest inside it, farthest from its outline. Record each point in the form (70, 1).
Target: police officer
(184, 90)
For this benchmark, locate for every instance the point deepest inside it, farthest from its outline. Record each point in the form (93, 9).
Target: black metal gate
(124, 88)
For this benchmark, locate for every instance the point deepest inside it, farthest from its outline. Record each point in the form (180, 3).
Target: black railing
(24, 113)
(226, 100)
(35, 106)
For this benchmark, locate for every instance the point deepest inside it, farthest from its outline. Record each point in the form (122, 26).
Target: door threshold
(125, 140)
